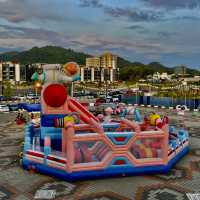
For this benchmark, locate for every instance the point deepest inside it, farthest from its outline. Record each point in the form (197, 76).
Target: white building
(161, 76)
(10, 71)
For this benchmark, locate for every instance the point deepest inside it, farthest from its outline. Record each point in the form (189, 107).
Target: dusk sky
(167, 31)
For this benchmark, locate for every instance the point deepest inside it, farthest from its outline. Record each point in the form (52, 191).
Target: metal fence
(161, 101)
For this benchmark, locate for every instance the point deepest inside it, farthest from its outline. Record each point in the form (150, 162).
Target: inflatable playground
(71, 143)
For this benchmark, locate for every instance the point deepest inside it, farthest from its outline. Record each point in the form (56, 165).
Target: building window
(87, 74)
(23, 73)
(97, 75)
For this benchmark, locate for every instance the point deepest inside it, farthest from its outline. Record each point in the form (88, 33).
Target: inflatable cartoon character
(108, 113)
(56, 73)
(181, 109)
(39, 75)
(154, 119)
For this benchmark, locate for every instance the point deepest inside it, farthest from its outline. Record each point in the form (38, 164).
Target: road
(19, 184)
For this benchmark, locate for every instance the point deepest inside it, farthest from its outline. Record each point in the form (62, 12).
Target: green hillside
(48, 54)
(52, 54)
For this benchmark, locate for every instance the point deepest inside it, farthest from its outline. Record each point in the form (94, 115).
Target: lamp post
(136, 93)
(184, 87)
(38, 86)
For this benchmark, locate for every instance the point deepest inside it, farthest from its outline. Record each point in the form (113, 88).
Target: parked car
(5, 98)
(32, 97)
(13, 107)
(14, 98)
(4, 108)
(21, 98)
(2, 98)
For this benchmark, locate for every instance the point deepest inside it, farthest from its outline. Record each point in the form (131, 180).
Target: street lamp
(38, 86)
(184, 83)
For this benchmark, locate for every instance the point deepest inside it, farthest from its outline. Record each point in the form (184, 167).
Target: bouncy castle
(72, 144)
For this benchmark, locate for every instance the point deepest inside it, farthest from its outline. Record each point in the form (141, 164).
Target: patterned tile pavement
(18, 184)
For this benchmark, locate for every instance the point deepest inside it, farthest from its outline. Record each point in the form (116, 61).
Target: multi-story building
(102, 68)
(10, 71)
(93, 62)
(108, 60)
(15, 73)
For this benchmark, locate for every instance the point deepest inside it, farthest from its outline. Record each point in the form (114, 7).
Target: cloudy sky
(167, 31)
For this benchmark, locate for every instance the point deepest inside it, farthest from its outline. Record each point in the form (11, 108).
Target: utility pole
(184, 86)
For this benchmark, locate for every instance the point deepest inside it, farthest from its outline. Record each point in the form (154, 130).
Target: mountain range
(54, 54)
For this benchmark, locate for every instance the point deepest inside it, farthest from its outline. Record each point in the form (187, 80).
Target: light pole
(38, 86)
(136, 93)
(184, 87)
(194, 97)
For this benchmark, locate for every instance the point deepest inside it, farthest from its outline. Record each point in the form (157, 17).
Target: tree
(8, 91)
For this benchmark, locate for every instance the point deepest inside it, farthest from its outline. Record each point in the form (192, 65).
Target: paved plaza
(19, 184)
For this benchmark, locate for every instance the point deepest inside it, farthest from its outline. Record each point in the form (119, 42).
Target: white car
(32, 96)
(21, 98)
(4, 108)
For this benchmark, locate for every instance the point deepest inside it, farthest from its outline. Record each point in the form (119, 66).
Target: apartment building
(102, 68)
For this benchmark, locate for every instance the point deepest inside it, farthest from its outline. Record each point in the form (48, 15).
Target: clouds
(135, 27)
(174, 4)
(132, 14)
(93, 42)
(140, 30)
(148, 10)
(17, 11)
(90, 3)
(25, 38)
